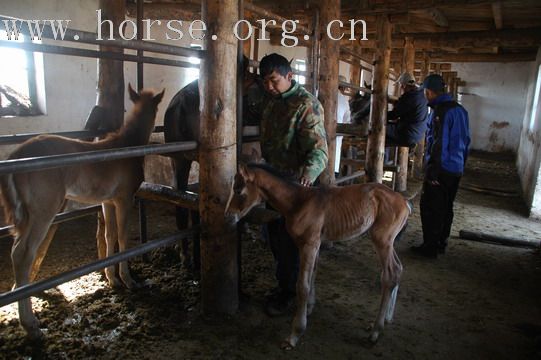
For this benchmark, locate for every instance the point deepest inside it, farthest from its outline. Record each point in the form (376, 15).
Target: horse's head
(146, 98)
(140, 123)
(244, 193)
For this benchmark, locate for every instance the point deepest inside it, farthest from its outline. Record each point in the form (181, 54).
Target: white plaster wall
(529, 151)
(495, 97)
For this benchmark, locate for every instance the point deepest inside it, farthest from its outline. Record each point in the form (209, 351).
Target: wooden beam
(328, 79)
(435, 14)
(217, 159)
(394, 7)
(497, 13)
(378, 102)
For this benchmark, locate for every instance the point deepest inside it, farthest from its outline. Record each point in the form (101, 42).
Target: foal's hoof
(374, 336)
(286, 345)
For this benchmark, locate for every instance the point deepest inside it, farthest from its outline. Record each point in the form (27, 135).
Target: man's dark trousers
(437, 210)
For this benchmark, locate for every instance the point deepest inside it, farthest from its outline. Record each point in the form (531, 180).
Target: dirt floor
(478, 301)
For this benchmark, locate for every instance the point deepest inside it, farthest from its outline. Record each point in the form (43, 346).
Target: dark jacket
(411, 110)
(448, 138)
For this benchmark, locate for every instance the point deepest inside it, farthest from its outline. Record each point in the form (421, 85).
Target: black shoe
(279, 303)
(425, 251)
(441, 250)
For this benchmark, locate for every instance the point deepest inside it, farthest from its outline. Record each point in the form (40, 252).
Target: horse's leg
(312, 296)
(100, 235)
(42, 251)
(182, 170)
(308, 255)
(383, 235)
(23, 254)
(110, 240)
(122, 207)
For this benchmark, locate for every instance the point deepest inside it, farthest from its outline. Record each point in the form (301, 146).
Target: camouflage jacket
(293, 138)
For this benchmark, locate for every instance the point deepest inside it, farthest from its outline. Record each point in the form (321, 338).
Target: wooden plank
(378, 112)
(497, 239)
(217, 160)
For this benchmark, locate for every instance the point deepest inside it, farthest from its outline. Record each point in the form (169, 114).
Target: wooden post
(408, 64)
(111, 72)
(328, 84)
(355, 68)
(418, 161)
(110, 88)
(378, 102)
(217, 158)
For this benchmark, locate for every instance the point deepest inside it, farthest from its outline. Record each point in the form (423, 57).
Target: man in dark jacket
(407, 120)
(447, 143)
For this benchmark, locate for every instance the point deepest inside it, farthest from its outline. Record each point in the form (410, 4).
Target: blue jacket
(411, 110)
(448, 138)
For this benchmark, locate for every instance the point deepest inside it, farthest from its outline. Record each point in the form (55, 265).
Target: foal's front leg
(308, 255)
(122, 207)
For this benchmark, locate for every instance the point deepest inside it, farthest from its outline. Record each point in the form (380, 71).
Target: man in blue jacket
(447, 142)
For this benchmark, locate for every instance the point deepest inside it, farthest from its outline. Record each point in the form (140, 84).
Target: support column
(355, 69)
(217, 158)
(408, 64)
(110, 89)
(328, 83)
(111, 72)
(418, 162)
(378, 102)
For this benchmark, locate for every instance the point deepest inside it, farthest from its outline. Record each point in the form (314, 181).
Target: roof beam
(435, 14)
(510, 57)
(384, 7)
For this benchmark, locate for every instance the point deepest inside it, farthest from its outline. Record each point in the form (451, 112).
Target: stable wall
(495, 98)
(529, 151)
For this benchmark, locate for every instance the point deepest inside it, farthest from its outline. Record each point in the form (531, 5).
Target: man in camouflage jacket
(293, 141)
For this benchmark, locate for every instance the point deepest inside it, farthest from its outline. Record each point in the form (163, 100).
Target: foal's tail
(14, 210)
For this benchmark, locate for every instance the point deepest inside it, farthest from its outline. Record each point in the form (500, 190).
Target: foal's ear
(133, 95)
(157, 98)
(244, 172)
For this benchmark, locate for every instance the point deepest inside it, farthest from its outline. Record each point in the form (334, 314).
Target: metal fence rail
(60, 218)
(31, 289)
(55, 161)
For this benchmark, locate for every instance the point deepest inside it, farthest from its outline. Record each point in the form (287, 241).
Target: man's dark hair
(274, 62)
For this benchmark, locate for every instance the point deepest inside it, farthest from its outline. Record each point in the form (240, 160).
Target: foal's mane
(274, 172)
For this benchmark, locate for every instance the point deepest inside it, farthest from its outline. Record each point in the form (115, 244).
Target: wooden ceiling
(446, 31)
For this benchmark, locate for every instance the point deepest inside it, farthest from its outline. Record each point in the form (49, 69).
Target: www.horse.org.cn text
(176, 30)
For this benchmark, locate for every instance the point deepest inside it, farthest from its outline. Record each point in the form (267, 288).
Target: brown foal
(32, 199)
(315, 214)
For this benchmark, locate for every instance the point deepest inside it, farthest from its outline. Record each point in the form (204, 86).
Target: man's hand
(304, 181)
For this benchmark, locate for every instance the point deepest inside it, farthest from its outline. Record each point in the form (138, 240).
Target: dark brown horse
(316, 214)
(181, 123)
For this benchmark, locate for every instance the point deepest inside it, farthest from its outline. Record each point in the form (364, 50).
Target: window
(300, 65)
(193, 73)
(535, 104)
(18, 88)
